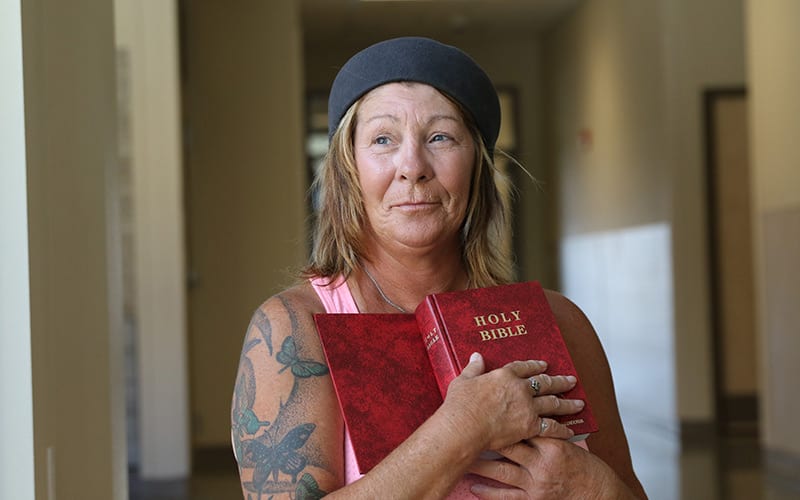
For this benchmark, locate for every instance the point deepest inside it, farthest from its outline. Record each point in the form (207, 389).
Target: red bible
(391, 371)
(504, 323)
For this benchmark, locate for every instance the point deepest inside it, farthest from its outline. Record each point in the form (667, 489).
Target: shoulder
(571, 320)
(290, 308)
(298, 299)
(579, 335)
(287, 317)
(562, 306)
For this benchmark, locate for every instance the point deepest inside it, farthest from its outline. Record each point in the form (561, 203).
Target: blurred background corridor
(155, 162)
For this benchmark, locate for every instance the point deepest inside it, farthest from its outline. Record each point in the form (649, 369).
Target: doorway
(731, 260)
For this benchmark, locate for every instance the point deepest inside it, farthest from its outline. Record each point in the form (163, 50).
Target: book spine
(440, 355)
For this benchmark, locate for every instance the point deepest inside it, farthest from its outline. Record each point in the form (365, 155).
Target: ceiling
(353, 21)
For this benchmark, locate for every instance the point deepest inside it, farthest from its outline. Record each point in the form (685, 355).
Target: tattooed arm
(287, 430)
(284, 417)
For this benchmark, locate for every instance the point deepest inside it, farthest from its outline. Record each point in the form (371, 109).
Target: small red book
(391, 371)
(504, 323)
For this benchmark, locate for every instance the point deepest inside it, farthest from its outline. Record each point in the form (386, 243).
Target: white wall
(623, 280)
(16, 404)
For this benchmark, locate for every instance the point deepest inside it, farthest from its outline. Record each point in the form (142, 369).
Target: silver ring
(543, 425)
(536, 386)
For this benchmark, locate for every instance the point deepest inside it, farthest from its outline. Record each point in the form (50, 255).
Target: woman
(410, 205)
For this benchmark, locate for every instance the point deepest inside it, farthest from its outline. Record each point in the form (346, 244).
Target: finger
(486, 492)
(525, 369)
(475, 367)
(552, 429)
(547, 384)
(500, 470)
(554, 405)
(522, 453)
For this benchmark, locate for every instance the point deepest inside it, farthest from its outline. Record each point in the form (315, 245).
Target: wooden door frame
(722, 406)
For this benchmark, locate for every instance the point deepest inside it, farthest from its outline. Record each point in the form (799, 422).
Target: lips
(413, 205)
(416, 199)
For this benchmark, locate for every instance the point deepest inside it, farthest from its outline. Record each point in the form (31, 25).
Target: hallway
(608, 103)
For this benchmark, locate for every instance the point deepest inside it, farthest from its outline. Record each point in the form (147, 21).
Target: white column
(16, 405)
(147, 32)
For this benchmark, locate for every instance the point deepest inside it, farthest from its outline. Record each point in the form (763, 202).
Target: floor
(730, 469)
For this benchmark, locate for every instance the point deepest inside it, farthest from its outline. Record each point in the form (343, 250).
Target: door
(731, 259)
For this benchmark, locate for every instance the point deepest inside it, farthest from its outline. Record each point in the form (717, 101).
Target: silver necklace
(380, 291)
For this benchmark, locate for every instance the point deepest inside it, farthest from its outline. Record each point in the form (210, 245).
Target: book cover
(391, 371)
(382, 378)
(504, 323)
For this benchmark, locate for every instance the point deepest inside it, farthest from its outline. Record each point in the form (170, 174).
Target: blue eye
(382, 140)
(438, 138)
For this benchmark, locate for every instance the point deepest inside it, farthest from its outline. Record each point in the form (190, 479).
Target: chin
(423, 239)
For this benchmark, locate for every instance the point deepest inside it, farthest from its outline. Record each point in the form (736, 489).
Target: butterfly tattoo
(271, 459)
(302, 368)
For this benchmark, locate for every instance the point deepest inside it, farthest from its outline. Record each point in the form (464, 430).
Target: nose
(413, 163)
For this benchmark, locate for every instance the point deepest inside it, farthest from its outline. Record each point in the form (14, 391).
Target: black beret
(415, 59)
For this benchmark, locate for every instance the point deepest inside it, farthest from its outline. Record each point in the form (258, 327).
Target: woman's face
(415, 156)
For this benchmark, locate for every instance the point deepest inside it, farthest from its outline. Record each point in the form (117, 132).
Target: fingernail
(579, 403)
(540, 362)
(479, 488)
(474, 357)
(571, 379)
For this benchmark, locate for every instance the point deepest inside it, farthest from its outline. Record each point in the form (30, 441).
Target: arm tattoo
(264, 327)
(277, 457)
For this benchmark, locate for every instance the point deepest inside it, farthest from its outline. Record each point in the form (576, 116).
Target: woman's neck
(388, 283)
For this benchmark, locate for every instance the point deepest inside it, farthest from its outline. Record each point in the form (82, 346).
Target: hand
(544, 468)
(501, 407)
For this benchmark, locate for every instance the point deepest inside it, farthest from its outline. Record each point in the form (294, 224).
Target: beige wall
(68, 56)
(773, 45)
(155, 272)
(606, 96)
(606, 80)
(697, 58)
(245, 185)
(516, 62)
(630, 75)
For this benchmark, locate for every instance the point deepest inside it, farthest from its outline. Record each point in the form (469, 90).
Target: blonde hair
(337, 246)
